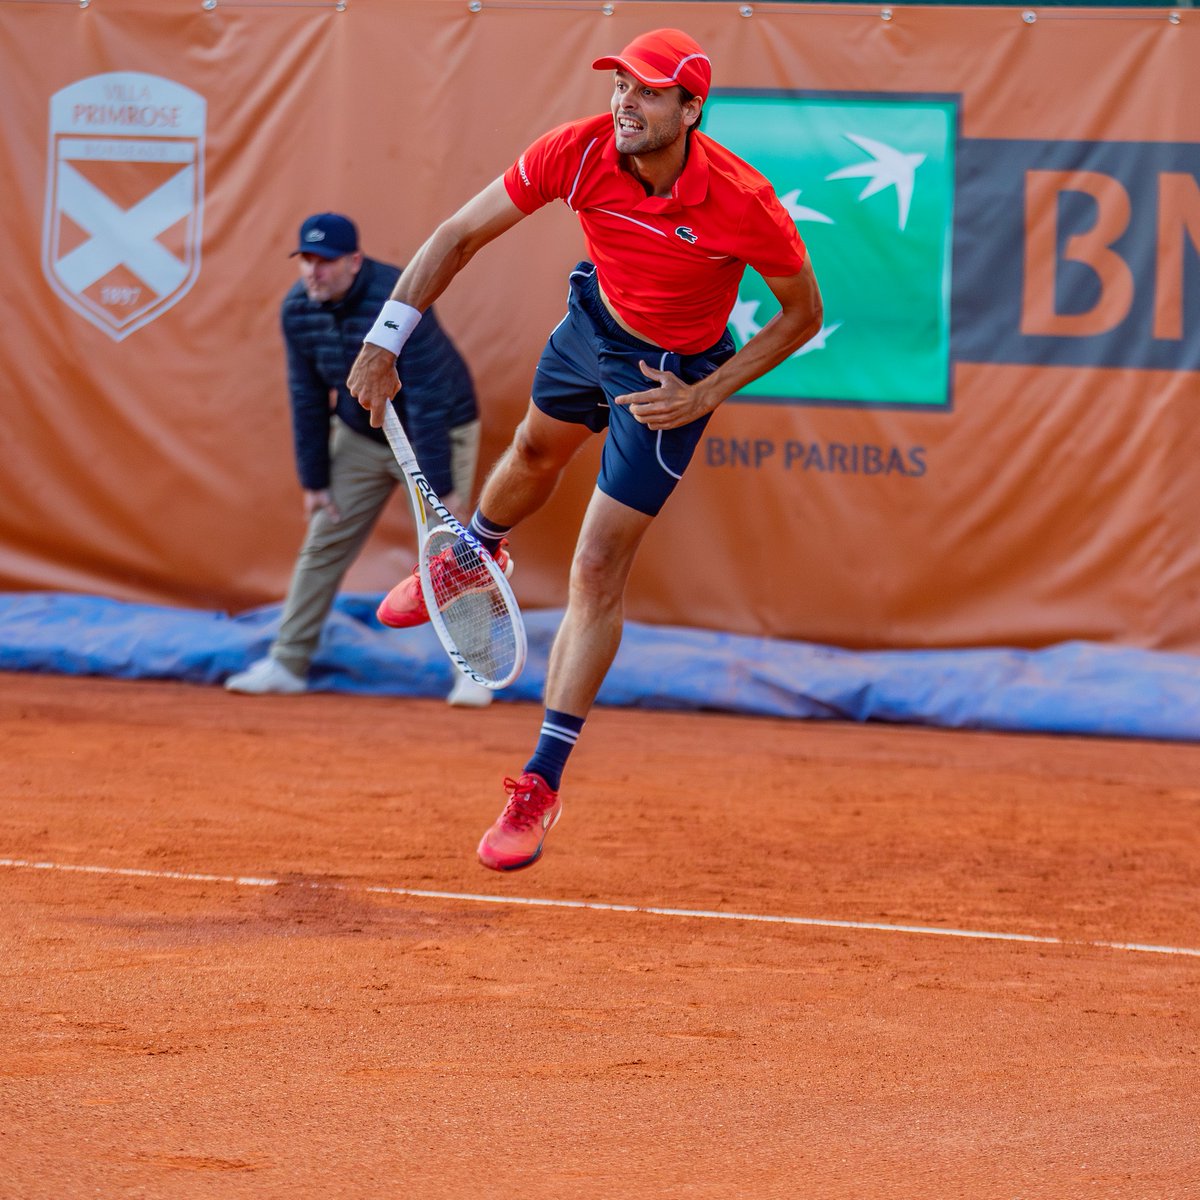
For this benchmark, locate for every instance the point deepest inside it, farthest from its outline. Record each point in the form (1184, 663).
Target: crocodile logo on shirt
(682, 231)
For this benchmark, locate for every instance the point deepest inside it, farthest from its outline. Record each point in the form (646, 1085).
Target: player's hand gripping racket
(471, 606)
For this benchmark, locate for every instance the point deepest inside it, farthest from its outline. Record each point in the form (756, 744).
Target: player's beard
(651, 138)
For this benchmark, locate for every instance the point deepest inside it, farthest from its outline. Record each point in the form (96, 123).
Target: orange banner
(995, 440)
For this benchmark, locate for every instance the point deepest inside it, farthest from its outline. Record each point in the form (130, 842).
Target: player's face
(327, 280)
(649, 119)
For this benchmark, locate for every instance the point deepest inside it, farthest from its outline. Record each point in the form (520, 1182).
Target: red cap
(663, 58)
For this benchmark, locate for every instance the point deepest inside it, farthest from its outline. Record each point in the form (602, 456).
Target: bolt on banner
(124, 197)
(869, 181)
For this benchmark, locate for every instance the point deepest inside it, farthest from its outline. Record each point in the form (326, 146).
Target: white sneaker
(466, 693)
(268, 676)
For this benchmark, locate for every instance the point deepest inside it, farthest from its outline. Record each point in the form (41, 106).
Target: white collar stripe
(632, 221)
(575, 182)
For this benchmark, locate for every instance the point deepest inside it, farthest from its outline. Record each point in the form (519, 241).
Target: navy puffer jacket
(322, 342)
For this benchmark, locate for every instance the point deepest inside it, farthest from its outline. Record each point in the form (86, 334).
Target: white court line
(262, 881)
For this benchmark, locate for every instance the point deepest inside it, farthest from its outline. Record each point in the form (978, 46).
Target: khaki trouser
(363, 475)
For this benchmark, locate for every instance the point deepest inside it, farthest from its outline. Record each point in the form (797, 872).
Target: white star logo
(818, 340)
(888, 167)
(745, 326)
(799, 212)
(742, 319)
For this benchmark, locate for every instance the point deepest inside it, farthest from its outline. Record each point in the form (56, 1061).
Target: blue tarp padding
(1075, 687)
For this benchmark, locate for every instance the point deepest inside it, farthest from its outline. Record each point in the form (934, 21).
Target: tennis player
(671, 219)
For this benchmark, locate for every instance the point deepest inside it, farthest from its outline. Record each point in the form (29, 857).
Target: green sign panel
(870, 184)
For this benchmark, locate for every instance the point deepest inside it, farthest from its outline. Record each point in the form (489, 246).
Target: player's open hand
(373, 380)
(671, 404)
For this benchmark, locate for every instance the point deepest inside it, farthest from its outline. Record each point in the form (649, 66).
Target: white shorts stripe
(662, 366)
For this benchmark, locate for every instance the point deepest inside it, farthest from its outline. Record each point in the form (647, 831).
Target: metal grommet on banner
(1028, 17)
(885, 14)
(607, 9)
(746, 10)
(475, 6)
(209, 5)
(1173, 17)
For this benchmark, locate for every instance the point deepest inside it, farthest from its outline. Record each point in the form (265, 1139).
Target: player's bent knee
(538, 455)
(598, 575)
(545, 445)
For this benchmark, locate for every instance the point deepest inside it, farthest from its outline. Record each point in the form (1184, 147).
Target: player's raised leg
(590, 634)
(584, 648)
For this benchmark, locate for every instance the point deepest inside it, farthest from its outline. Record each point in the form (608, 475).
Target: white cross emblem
(142, 136)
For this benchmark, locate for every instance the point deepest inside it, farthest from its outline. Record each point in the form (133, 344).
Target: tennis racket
(471, 606)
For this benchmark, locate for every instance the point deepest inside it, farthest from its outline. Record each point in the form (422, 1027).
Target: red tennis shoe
(404, 606)
(516, 839)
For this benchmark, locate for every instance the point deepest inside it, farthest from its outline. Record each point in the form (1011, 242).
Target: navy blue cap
(329, 235)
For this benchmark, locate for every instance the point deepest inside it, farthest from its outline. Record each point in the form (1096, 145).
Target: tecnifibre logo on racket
(869, 181)
(124, 197)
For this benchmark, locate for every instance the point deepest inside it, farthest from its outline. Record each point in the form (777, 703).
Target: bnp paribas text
(837, 458)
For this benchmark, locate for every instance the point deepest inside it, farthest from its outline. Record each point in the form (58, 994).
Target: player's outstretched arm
(454, 243)
(373, 380)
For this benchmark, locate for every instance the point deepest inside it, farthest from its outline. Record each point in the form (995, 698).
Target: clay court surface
(242, 997)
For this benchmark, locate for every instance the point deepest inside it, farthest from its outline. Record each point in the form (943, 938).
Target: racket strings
(473, 608)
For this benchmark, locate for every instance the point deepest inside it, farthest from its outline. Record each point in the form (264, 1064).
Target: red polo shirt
(670, 266)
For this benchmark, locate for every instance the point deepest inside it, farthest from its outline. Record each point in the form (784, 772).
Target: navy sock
(488, 532)
(560, 732)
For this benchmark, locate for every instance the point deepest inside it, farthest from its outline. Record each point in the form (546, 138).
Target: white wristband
(393, 326)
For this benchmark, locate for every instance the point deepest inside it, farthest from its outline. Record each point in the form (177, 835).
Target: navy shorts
(587, 361)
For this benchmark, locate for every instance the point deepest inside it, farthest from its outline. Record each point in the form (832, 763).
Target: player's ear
(692, 108)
